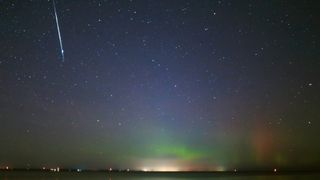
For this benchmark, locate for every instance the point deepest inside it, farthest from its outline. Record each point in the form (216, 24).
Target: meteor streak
(58, 29)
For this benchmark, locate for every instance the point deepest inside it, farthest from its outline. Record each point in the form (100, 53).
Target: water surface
(150, 176)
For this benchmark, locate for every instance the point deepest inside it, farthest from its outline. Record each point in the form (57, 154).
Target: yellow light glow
(166, 169)
(161, 169)
(145, 169)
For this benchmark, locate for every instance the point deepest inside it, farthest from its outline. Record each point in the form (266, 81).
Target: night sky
(160, 85)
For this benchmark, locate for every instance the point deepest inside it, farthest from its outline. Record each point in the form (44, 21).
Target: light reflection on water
(164, 176)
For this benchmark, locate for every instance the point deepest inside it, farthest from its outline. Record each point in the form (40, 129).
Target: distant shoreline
(254, 172)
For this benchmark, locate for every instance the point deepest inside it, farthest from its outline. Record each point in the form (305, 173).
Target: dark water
(150, 176)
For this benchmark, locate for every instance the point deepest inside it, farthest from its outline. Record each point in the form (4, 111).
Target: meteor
(58, 29)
